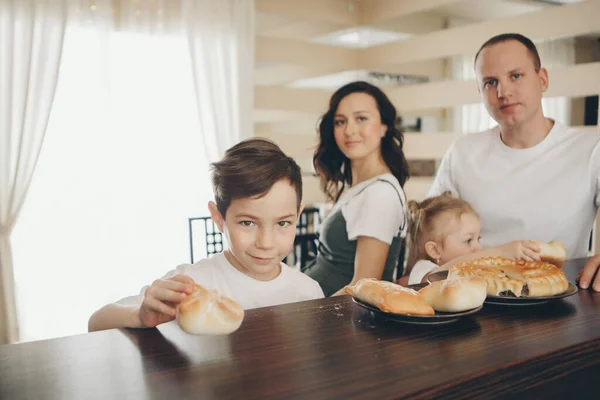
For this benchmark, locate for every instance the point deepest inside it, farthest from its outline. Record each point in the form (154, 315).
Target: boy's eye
(516, 76)
(247, 223)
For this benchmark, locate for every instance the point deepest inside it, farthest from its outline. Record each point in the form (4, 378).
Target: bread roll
(205, 312)
(553, 252)
(389, 297)
(455, 295)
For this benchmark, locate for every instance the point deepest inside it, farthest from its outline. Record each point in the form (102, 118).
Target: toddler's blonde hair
(426, 223)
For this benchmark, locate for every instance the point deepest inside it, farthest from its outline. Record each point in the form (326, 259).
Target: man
(530, 177)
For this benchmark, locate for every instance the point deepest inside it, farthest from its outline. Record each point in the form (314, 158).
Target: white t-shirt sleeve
(138, 299)
(421, 268)
(317, 291)
(598, 191)
(375, 212)
(302, 286)
(443, 178)
(595, 173)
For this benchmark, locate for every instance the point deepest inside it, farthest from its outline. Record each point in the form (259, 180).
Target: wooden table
(326, 349)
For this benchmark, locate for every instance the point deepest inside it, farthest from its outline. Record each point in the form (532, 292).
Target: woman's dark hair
(333, 166)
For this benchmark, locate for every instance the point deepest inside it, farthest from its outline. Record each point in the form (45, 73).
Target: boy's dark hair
(525, 41)
(250, 169)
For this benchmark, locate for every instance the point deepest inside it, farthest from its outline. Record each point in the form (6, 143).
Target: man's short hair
(250, 169)
(525, 41)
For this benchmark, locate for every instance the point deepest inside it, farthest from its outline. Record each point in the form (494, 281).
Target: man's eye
(491, 82)
(247, 223)
(283, 224)
(516, 76)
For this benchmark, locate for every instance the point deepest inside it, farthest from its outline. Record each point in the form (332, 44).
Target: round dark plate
(437, 319)
(512, 301)
(437, 276)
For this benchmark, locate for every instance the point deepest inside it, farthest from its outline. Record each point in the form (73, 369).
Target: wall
(289, 114)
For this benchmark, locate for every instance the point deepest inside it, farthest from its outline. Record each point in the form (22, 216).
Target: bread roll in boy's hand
(206, 312)
(455, 295)
(553, 252)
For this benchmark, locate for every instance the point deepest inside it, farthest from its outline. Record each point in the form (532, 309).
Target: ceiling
(322, 44)
(361, 24)
(317, 19)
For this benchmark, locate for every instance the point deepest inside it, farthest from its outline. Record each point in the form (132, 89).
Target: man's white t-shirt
(218, 274)
(550, 191)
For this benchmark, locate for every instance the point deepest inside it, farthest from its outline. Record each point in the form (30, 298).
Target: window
(122, 168)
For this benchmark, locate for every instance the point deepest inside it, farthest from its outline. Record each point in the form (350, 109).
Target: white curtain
(123, 166)
(31, 40)
(221, 39)
(553, 53)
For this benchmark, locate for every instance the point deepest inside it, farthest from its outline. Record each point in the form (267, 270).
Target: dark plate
(438, 318)
(437, 276)
(512, 301)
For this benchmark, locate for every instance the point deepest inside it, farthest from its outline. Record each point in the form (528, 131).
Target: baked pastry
(489, 269)
(205, 312)
(540, 278)
(517, 278)
(455, 295)
(389, 297)
(553, 252)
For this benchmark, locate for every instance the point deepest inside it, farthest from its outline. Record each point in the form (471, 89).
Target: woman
(363, 169)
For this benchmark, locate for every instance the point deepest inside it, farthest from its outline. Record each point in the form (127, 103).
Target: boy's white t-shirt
(550, 191)
(218, 274)
(420, 269)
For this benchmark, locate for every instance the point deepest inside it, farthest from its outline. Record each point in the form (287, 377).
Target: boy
(258, 192)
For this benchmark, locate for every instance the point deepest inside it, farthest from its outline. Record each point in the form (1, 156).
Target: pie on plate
(506, 277)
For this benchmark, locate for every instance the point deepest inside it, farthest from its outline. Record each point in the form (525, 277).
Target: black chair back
(211, 241)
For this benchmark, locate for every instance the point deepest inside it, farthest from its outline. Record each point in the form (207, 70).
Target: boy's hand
(521, 250)
(161, 299)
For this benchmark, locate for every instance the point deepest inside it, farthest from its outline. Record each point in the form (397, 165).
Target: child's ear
(433, 251)
(216, 215)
